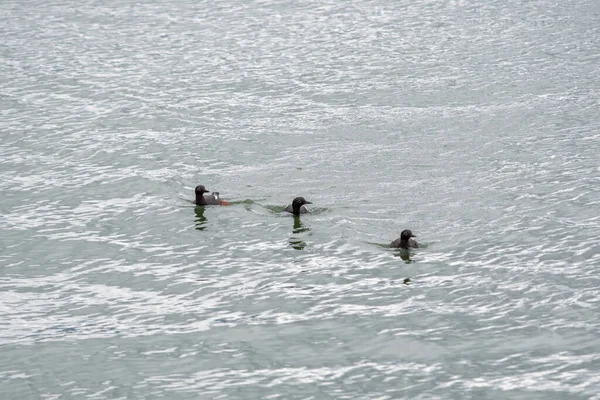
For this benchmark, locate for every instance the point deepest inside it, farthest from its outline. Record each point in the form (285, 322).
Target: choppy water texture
(474, 123)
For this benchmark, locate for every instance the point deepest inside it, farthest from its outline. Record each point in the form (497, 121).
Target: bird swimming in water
(298, 206)
(405, 240)
(211, 199)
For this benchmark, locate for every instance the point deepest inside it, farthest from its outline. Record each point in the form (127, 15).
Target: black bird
(405, 240)
(298, 206)
(211, 199)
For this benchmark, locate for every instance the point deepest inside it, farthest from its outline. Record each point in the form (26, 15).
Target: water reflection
(200, 218)
(298, 227)
(296, 242)
(404, 254)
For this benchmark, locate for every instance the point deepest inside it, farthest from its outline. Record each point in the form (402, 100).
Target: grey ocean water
(474, 123)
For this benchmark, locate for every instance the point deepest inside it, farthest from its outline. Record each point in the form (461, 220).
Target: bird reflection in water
(296, 242)
(404, 254)
(200, 218)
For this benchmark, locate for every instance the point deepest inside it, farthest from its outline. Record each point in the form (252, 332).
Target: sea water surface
(473, 123)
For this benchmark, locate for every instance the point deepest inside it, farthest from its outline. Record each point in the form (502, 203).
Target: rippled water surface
(474, 123)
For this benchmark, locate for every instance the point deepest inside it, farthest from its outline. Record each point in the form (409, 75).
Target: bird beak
(308, 202)
(413, 235)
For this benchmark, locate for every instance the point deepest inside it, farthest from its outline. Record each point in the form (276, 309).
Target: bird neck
(200, 199)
